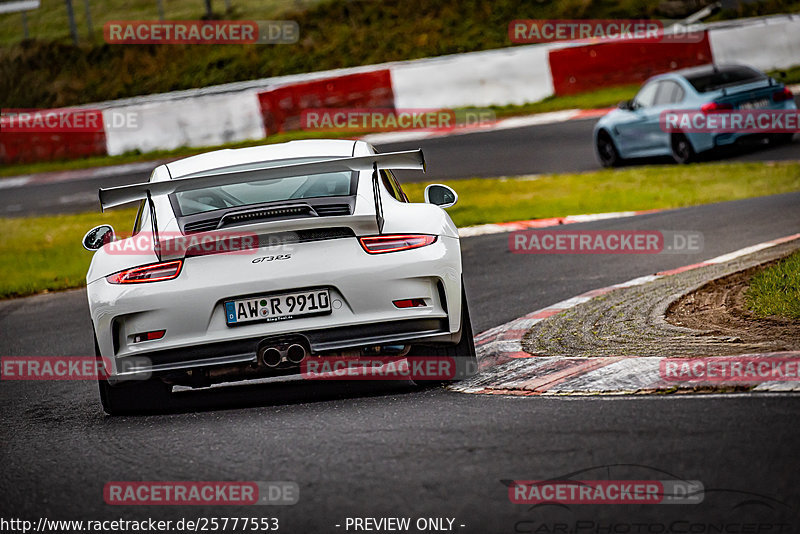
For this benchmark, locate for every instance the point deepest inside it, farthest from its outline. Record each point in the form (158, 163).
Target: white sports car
(248, 263)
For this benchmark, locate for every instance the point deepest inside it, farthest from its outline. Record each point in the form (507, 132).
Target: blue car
(634, 131)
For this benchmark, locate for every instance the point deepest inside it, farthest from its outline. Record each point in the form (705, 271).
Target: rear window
(271, 190)
(723, 77)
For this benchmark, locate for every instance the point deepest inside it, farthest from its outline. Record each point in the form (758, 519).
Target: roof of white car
(243, 156)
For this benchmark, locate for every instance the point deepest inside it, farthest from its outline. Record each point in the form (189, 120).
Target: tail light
(393, 243)
(715, 107)
(783, 96)
(147, 273)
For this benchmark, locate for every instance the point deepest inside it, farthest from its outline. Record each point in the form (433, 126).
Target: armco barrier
(579, 69)
(281, 107)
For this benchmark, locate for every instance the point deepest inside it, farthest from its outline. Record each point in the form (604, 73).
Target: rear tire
(682, 150)
(463, 352)
(607, 152)
(781, 138)
(133, 396)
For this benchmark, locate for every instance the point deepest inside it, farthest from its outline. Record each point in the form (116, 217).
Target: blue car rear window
(723, 77)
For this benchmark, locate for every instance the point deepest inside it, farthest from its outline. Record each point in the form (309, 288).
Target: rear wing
(116, 196)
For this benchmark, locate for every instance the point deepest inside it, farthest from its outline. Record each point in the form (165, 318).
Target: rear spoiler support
(154, 225)
(376, 192)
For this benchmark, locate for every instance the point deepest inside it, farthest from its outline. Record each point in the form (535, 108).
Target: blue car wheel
(606, 151)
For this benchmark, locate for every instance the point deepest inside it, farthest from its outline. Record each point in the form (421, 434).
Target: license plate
(755, 104)
(278, 307)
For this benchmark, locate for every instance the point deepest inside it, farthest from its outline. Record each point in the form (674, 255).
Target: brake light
(782, 96)
(147, 273)
(715, 107)
(393, 243)
(409, 303)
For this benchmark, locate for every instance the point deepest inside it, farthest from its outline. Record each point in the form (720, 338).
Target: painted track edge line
(529, 224)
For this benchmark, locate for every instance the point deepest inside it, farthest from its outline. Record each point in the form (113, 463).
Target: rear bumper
(245, 350)
(362, 288)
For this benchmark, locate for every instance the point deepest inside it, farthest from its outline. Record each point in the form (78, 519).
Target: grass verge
(601, 98)
(44, 253)
(639, 188)
(776, 289)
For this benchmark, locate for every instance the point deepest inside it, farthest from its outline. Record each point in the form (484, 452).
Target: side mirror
(627, 105)
(440, 195)
(98, 236)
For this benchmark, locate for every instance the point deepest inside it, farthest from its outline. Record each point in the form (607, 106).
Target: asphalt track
(547, 148)
(372, 450)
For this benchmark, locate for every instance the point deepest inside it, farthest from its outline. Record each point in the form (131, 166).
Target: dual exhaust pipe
(272, 356)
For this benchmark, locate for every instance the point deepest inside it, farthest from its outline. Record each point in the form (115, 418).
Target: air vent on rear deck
(265, 214)
(205, 225)
(329, 210)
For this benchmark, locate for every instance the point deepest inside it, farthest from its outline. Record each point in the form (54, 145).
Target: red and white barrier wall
(493, 77)
(580, 69)
(251, 110)
(281, 107)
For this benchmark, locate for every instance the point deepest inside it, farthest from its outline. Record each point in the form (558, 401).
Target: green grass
(44, 253)
(776, 289)
(788, 76)
(601, 98)
(756, 9)
(50, 22)
(639, 188)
